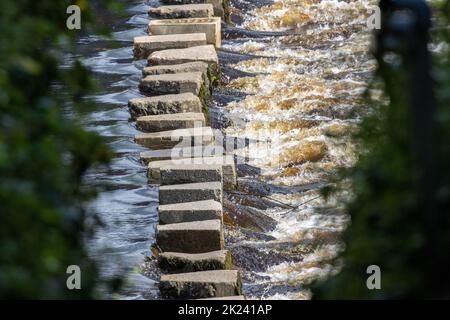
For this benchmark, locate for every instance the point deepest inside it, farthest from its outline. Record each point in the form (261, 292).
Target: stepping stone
(177, 56)
(227, 162)
(190, 211)
(197, 66)
(197, 136)
(204, 284)
(190, 192)
(173, 262)
(145, 45)
(180, 153)
(172, 103)
(162, 84)
(221, 8)
(171, 121)
(190, 173)
(209, 26)
(190, 237)
(226, 298)
(201, 10)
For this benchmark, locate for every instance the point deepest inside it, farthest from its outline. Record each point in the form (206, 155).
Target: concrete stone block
(180, 138)
(227, 162)
(164, 84)
(199, 10)
(171, 121)
(209, 26)
(174, 262)
(204, 284)
(172, 103)
(180, 153)
(190, 211)
(190, 192)
(144, 46)
(190, 173)
(178, 56)
(221, 7)
(226, 298)
(197, 66)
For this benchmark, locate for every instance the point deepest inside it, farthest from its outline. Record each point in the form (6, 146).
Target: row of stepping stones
(192, 170)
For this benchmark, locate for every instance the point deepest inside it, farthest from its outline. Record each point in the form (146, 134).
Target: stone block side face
(174, 138)
(209, 26)
(171, 216)
(191, 240)
(181, 153)
(221, 7)
(178, 56)
(198, 66)
(209, 78)
(181, 263)
(179, 174)
(209, 191)
(227, 162)
(178, 103)
(202, 10)
(226, 298)
(179, 288)
(190, 212)
(144, 46)
(188, 82)
(170, 122)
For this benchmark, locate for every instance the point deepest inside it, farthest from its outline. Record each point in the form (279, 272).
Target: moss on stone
(205, 97)
(226, 11)
(214, 74)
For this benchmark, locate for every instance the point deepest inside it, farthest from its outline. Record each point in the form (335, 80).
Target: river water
(294, 72)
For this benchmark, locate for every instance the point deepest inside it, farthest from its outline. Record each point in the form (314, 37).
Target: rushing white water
(307, 87)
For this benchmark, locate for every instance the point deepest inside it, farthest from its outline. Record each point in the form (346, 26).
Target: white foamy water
(306, 90)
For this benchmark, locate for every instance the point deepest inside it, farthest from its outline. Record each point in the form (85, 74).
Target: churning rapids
(294, 72)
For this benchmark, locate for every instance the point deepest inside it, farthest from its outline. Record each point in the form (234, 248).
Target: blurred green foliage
(388, 228)
(43, 154)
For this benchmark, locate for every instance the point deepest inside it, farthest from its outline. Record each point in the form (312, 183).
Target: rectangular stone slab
(144, 46)
(227, 162)
(204, 284)
(163, 84)
(189, 192)
(176, 138)
(209, 26)
(180, 153)
(196, 10)
(172, 103)
(178, 56)
(190, 211)
(171, 121)
(190, 237)
(174, 262)
(196, 66)
(190, 173)
(219, 8)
